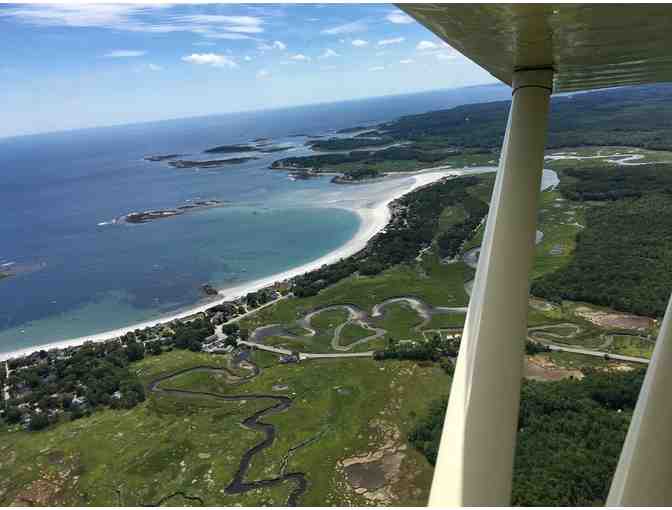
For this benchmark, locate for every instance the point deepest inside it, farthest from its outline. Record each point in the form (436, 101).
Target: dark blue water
(82, 278)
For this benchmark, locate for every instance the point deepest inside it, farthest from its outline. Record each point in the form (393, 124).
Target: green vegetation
(446, 321)
(400, 321)
(629, 345)
(348, 144)
(46, 388)
(193, 445)
(229, 149)
(636, 117)
(570, 437)
(367, 163)
(353, 332)
(436, 283)
(604, 183)
(621, 258)
(450, 240)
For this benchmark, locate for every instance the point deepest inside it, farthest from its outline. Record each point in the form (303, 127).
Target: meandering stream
(238, 485)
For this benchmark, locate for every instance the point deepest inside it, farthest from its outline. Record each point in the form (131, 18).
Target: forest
(348, 144)
(569, 440)
(632, 116)
(405, 153)
(622, 257)
(451, 241)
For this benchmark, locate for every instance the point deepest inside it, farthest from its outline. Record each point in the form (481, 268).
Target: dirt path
(355, 316)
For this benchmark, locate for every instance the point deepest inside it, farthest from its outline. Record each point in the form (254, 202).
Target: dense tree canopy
(623, 257)
(569, 440)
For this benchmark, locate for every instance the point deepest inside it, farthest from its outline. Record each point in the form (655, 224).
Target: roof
(589, 46)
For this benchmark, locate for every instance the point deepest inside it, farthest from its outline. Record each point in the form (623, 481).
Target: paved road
(218, 329)
(306, 355)
(598, 354)
(368, 354)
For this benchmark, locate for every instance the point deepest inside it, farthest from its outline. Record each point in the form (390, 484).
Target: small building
(289, 358)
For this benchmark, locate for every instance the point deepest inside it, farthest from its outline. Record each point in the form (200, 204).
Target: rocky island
(212, 163)
(146, 216)
(162, 157)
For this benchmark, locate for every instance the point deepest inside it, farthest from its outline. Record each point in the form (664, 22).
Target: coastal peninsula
(233, 149)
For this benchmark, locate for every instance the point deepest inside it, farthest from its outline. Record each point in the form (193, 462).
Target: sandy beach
(373, 210)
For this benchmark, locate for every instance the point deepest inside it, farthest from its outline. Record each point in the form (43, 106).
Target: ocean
(79, 274)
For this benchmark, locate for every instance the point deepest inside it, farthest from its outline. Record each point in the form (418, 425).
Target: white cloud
(73, 15)
(329, 53)
(399, 18)
(229, 36)
(445, 56)
(124, 53)
(380, 53)
(211, 59)
(154, 67)
(327, 68)
(275, 45)
(133, 18)
(263, 73)
(300, 57)
(395, 40)
(237, 24)
(376, 68)
(359, 43)
(406, 61)
(347, 28)
(426, 45)
(203, 43)
(247, 58)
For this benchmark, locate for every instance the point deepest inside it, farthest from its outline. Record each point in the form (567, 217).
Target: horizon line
(252, 110)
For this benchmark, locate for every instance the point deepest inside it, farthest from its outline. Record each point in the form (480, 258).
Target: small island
(212, 163)
(229, 149)
(9, 269)
(147, 216)
(162, 157)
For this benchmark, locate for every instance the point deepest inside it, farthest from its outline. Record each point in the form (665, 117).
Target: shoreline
(374, 217)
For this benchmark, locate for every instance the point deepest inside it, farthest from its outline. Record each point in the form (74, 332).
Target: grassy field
(438, 284)
(353, 332)
(446, 321)
(400, 321)
(560, 221)
(604, 156)
(629, 345)
(193, 445)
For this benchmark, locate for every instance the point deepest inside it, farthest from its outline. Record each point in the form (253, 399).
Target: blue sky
(71, 66)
